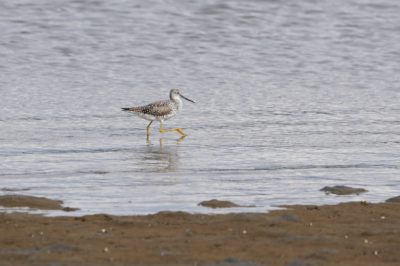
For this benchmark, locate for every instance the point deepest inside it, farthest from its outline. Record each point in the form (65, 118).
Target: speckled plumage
(161, 111)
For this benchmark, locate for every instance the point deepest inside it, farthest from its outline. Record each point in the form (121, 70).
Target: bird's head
(174, 94)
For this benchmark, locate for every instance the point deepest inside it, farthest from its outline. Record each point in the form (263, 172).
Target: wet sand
(346, 234)
(33, 203)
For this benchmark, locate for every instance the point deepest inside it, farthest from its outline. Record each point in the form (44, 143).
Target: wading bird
(161, 111)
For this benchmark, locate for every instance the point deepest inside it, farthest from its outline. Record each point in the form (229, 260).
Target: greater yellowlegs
(161, 111)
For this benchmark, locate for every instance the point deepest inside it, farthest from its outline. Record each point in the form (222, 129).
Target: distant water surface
(291, 96)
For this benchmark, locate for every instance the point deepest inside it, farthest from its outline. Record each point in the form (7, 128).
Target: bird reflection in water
(161, 157)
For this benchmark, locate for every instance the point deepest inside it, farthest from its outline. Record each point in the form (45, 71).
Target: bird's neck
(178, 102)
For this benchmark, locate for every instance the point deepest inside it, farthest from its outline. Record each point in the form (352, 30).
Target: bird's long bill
(186, 98)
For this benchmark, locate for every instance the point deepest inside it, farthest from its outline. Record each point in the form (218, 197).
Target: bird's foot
(180, 131)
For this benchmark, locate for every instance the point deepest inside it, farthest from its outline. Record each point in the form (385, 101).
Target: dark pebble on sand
(42, 203)
(394, 199)
(343, 190)
(218, 204)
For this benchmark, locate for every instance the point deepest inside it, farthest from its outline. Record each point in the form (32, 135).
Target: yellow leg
(148, 129)
(181, 139)
(179, 130)
(161, 145)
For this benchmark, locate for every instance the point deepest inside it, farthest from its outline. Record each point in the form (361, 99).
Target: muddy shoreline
(356, 233)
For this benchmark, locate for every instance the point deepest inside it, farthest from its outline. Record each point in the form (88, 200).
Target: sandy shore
(346, 234)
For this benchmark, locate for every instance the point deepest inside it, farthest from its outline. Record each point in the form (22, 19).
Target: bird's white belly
(146, 116)
(150, 117)
(166, 117)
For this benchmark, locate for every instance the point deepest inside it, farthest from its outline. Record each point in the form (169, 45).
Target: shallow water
(291, 96)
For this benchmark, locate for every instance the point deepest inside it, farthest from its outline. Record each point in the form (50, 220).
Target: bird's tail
(131, 109)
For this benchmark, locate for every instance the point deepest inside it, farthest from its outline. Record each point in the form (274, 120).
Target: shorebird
(161, 111)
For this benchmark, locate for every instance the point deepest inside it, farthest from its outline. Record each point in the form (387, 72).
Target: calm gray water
(291, 96)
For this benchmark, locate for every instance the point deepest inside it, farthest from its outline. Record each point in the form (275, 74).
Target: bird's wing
(160, 108)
